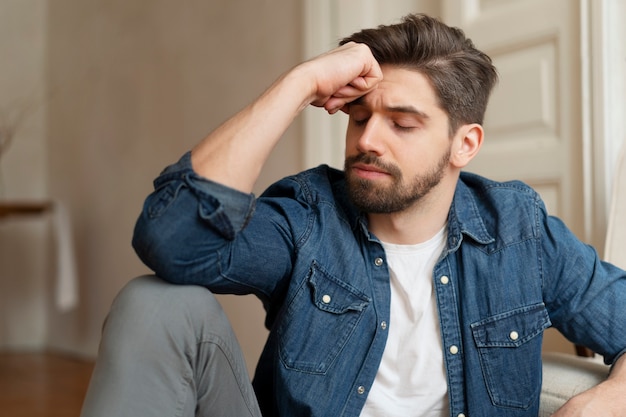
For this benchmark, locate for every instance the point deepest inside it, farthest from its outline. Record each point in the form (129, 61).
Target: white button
(461, 415)
(383, 325)
(361, 389)
(514, 335)
(326, 298)
(378, 261)
(445, 280)
(454, 349)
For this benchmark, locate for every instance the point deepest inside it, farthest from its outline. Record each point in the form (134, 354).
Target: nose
(370, 140)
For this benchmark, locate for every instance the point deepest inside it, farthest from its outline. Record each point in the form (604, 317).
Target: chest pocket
(509, 345)
(319, 321)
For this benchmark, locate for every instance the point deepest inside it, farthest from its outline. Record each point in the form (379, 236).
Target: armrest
(565, 376)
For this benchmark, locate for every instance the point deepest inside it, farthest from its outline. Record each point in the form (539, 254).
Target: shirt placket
(445, 288)
(381, 293)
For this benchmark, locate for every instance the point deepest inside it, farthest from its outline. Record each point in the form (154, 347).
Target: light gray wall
(127, 87)
(136, 85)
(23, 172)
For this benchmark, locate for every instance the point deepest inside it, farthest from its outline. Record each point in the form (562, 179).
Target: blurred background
(97, 96)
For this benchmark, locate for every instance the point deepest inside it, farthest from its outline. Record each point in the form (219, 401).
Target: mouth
(367, 171)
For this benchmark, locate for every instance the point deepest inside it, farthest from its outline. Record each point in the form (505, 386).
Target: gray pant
(168, 350)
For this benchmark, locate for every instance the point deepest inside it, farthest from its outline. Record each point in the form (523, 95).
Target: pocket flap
(332, 295)
(512, 328)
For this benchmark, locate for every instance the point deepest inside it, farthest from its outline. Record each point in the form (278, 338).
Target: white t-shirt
(411, 380)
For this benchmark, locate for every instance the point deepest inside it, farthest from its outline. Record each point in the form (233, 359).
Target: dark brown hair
(461, 75)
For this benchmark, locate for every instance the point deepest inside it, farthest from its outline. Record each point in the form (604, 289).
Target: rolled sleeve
(227, 210)
(185, 221)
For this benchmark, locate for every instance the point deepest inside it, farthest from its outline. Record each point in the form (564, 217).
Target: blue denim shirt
(507, 273)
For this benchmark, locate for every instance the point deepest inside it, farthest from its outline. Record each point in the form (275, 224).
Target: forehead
(402, 87)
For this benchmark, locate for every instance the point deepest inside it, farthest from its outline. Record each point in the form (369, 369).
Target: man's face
(397, 143)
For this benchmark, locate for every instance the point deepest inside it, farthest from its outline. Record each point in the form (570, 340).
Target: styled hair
(462, 76)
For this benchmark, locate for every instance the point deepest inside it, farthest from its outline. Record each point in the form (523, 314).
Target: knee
(147, 305)
(148, 294)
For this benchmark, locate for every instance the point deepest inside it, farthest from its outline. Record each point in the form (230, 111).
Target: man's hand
(341, 76)
(607, 399)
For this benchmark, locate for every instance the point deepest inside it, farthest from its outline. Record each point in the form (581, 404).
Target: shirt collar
(465, 218)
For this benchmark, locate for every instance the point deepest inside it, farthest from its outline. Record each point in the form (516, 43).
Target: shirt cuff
(227, 209)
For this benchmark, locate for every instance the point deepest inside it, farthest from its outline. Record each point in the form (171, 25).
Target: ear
(466, 144)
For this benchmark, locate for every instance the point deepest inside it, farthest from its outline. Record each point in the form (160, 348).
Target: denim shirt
(508, 272)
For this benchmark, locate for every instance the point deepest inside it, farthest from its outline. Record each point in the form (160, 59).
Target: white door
(533, 124)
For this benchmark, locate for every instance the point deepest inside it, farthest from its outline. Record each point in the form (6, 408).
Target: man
(399, 287)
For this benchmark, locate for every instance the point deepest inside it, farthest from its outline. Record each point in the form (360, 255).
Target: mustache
(370, 159)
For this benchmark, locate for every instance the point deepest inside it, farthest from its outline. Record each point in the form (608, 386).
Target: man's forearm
(235, 152)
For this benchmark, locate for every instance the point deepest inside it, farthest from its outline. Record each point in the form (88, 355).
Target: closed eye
(403, 128)
(360, 122)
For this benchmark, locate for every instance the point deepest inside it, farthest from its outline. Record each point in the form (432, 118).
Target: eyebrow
(395, 109)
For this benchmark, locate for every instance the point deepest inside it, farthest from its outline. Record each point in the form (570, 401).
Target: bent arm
(195, 231)
(190, 228)
(235, 152)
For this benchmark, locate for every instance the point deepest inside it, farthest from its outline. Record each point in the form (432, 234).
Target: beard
(370, 197)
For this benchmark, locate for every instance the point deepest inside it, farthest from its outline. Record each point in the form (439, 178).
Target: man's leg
(166, 351)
